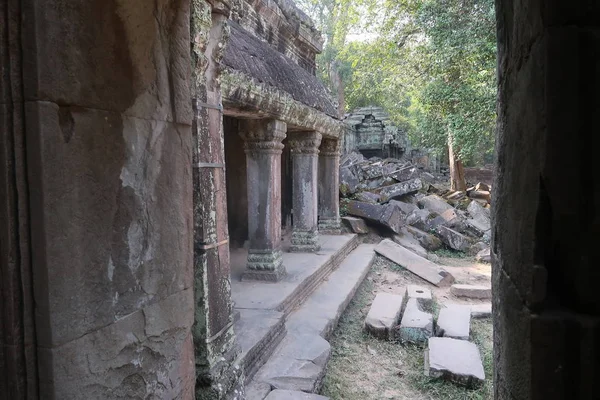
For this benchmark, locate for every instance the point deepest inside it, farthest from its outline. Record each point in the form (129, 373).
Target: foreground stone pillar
(263, 158)
(329, 183)
(304, 148)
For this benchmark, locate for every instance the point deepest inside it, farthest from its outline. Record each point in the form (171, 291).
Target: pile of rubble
(413, 204)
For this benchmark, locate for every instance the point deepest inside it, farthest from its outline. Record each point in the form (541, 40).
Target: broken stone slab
(481, 194)
(427, 240)
(387, 215)
(484, 256)
(407, 240)
(434, 203)
(481, 310)
(427, 177)
(476, 227)
(348, 182)
(368, 197)
(293, 395)
(404, 174)
(421, 294)
(453, 239)
(471, 291)
(416, 325)
(399, 189)
(477, 247)
(424, 220)
(454, 360)
(454, 321)
(406, 208)
(357, 225)
(257, 390)
(384, 315)
(414, 263)
(477, 211)
(483, 187)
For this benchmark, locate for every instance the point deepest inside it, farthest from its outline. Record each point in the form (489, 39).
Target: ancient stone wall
(545, 269)
(96, 99)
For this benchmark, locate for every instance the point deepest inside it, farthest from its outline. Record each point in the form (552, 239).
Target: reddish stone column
(304, 147)
(329, 182)
(263, 159)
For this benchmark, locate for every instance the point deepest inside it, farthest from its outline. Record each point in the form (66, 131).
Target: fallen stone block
(421, 294)
(471, 291)
(483, 187)
(477, 247)
(414, 263)
(424, 220)
(416, 325)
(434, 203)
(481, 310)
(456, 195)
(368, 197)
(477, 211)
(427, 240)
(384, 315)
(454, 360)
(399, 189)
(257, 390)
(405, 173)
(453, 239)
(454, 321)
(387, 215)
(427, 177)
(407, 240)
(348, 181)
(484, 256)
(357, 225)
(406, 208)
(293, 395)
(481, 194)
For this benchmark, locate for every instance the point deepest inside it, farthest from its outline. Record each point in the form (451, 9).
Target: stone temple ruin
(127, 130)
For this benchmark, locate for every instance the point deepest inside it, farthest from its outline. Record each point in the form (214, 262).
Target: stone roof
(255, 58)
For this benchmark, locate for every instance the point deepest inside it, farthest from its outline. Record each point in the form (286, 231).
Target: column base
(264, 266)
(330, 226)
(305, 242)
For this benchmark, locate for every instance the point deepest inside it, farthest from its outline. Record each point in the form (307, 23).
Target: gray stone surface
(357, 225)
(454, 321)
(399, 189)
(406, 208)
(421, 294)
(416, 325)
(471, 291)
(484, 255)
(387, 215)
(384, 315)
(414, 263)
(454, 360)
(329, 198)
(407, 240)
(293, 395)
(257, 390)
(481, 310)
(454, 239)
(368, 197)
(427, 240)
(434, 203)
(477, 247)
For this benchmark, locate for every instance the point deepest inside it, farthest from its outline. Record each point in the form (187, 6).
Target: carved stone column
(329, 183)
(304, 148)
(263, 159)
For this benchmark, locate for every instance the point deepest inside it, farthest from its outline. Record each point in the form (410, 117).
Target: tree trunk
(457, 172)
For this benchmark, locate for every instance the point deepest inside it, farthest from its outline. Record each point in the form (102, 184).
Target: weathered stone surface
(406, 208)
(422, 294)
(480, 194)
(481, 310)
(357, 225)
(407, 240)
(484, 256)
(368, 197)
(293, 395)
(454, 321)
(414, 263)
(471, 291)
(477, 247)
(405, 174)
(329, 198)
(348, 181)
(477, 211)
(454, 360)
(453, 239)
(435, 203)
(384, 315)
(400, 189)
(427, 240)
(416, 325)
(387, 215)
(257, 390)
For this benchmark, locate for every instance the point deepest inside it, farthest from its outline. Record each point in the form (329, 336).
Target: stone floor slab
(422, 294)
(454, 360)
(454, 321)
(383, 315)
(416, 325)
(471, 291)
(293, 395)
(414, 263)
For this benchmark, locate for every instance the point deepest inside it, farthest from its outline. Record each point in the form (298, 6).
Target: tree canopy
(430, 63)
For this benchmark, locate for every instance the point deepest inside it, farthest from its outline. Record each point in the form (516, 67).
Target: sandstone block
(384, 315)
(434, 203)
(416, 325)
(421, 294)
(481, 310)
(484, 256)
(368, 197)
(405, 239)
(454, 360)
(477, 247)
(400, 189)
(453, 239)
(406, 208)
(427, 240)
(357, 225)
(414, 263)
(293, 395)
(387, 215)
(348, 181)
(471, 291)
(454, 321)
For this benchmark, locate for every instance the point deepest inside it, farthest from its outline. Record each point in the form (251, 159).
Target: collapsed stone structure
(113, 219)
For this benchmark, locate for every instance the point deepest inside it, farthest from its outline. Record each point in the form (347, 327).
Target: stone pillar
(304, 148)
(329, 183)
(263, 160)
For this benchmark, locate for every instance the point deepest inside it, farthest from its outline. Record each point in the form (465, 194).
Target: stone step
(259, 334)
(471, 291)
(299, 363)
(456, 360)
